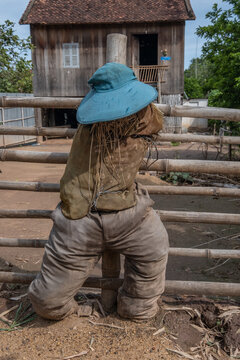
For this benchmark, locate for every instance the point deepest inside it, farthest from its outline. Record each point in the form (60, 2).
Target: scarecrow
(102, 207)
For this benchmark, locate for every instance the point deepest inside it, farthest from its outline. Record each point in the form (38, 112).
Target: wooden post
(159, 87)
(111, 266)
(38, 123)
(3, 122)
(117, 48)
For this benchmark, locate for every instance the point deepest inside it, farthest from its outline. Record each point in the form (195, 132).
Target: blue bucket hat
(115, 94)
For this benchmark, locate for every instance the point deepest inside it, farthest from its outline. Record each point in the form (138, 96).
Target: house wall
(51, 79)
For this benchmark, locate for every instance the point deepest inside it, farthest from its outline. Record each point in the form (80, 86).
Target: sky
(13, 10)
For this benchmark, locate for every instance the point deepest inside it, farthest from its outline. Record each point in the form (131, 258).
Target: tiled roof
(106, 11)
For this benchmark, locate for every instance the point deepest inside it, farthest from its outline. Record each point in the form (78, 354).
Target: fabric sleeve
(151, 120)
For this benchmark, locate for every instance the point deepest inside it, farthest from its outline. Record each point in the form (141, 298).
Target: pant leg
(73, 248)
(143, 285)
(142, 238)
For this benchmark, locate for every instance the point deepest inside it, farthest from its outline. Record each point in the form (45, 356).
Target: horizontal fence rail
(65, 132)
(163, 165)
(171, 286)
(190, 252)
(166, 216)
(172, 111)
(152, 189)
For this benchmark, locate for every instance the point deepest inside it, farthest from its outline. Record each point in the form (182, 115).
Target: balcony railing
(151, 73)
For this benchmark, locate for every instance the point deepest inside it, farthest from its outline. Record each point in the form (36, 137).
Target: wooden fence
(19, 117)
(111, 281)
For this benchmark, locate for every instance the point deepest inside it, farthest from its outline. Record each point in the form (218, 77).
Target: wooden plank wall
(51, 79)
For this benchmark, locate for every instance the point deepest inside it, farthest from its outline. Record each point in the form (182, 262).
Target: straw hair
(107, 138)
(108, 135)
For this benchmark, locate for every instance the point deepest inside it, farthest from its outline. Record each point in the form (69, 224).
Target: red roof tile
(105, 11)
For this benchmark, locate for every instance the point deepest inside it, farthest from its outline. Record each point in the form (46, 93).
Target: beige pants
(75, 246)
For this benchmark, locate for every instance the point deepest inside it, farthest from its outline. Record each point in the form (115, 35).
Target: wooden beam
(166, 216)
(172, 286)
(199, 217)
(172, 111)
(152, 189)
(66, 132)
(30, 186)
(191, 190)
(190, 252)
(41, 102)
(43, 131)
(205, 253)
(163, 165)
(206, 139)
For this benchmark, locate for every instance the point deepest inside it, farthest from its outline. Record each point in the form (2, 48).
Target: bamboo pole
(41, 102)
(207, 139)
(30, 186)
(66, 132)
(166, 216)
(152, 189)
(204, 112)
(164, 165)
(25, 214)
(199, 217)
(202, 288)
(33, 156)
(42, 131)
(26, 278)
(171, 286)
(172, 111)
(194, 166)
(203, 253)
(28, 243)
(191, 190)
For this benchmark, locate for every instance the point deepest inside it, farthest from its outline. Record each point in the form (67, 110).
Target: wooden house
(69, 38)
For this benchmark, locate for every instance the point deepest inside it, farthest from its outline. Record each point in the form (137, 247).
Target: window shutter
(70, 55)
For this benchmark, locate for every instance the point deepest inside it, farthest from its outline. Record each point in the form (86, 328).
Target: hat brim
(115, 104)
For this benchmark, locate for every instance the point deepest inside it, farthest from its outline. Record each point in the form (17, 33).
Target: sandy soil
(42, 339)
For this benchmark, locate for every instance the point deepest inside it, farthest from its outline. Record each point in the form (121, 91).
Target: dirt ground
(41, 339)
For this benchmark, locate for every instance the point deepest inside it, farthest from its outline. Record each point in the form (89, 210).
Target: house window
(70, 55)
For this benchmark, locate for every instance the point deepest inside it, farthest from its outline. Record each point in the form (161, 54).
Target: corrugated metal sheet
(22, 117)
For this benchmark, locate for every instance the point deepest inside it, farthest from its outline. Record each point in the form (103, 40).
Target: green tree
(222, 51)
(193, 88)
(15, 68)
(201, 70)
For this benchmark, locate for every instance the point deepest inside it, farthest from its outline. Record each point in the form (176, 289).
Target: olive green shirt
(116, 192)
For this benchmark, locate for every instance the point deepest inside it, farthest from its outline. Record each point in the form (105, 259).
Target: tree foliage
(15, 68)
(222, 51)
(199, 76)
(192, 88)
